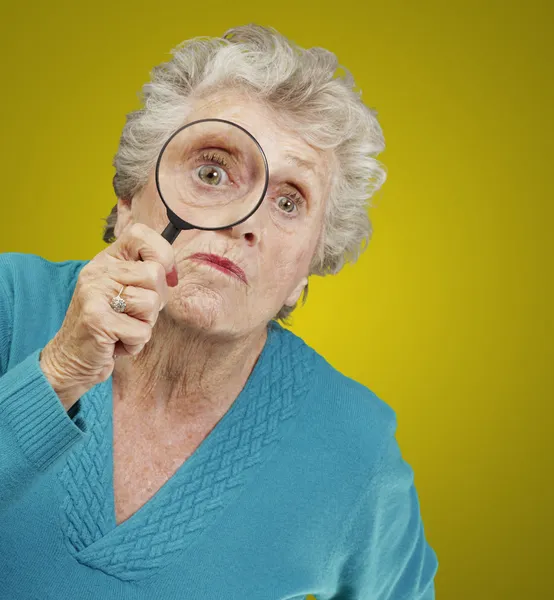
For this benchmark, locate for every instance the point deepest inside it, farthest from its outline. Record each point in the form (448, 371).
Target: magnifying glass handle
(170, 232)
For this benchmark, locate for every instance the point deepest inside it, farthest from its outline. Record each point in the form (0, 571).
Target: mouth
(221, 264)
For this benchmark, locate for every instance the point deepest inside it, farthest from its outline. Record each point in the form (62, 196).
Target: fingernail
(172, 278)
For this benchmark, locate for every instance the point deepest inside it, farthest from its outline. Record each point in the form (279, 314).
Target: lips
(222, 264)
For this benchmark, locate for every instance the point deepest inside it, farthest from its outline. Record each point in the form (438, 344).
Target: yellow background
(447, 317)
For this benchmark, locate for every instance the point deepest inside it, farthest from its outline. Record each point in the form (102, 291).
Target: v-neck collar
(203, 485)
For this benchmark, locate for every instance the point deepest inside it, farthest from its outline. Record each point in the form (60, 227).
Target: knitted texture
(300, 488)
(198, 493)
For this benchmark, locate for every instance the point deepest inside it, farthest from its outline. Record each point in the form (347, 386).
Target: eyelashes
(295, 196)
(212, 156)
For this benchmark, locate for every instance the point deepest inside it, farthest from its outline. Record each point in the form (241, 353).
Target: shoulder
(346, 414)
(34, 296)
(35, 264)
(20, 271)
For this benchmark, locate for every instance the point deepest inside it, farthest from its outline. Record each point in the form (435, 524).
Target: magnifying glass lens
(211, 174)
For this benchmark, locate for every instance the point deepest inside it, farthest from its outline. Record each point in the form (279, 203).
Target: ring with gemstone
(118, 303)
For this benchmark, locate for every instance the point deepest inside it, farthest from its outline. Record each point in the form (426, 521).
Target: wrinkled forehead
(282, 145)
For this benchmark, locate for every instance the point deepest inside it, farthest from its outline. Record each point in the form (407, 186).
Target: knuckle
(86, 284)
(144, 333)
(167, 254)
(87, 274)
(89, 311)
(126, 267)
(157, 272)
(137, 230)
(162, 250)
(160, 271)
(154, 302)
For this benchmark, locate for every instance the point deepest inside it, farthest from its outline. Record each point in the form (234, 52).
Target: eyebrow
(300, 162)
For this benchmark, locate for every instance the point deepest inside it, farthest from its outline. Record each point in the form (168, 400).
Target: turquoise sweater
(299, 489)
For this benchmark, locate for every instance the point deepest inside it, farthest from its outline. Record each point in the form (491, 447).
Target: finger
(140, 242)
(149, 275)
(142, 304)
(128, 333)
(120, 349)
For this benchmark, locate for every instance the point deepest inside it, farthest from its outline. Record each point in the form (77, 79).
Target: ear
(295, 294)
(124, 216)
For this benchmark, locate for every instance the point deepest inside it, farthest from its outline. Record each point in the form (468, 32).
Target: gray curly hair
(306, 86)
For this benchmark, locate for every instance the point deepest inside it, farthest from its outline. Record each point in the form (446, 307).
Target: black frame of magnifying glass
(176, 224)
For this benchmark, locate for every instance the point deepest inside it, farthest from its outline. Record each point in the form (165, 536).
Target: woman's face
(273, 247)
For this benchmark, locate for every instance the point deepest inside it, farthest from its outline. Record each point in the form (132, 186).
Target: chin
(201, 308)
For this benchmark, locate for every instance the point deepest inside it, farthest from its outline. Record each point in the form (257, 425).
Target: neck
(186, 374)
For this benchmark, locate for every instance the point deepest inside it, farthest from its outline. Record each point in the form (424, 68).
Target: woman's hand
(82, 352)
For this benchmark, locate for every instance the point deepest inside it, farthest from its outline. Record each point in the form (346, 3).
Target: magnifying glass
(211, 174)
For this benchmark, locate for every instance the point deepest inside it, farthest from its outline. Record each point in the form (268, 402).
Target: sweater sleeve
(35, 429)
(384, 554)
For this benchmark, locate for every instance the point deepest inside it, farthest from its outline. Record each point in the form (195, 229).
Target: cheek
(290, 254)
(287, 267)
(149, 209)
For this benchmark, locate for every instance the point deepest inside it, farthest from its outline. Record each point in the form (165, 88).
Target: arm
(385, 555)
(35, 429)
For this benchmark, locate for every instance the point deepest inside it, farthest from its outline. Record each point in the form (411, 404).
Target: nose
(248, 230)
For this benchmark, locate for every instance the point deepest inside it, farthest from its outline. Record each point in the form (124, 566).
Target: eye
(211, 175)
(287, 204)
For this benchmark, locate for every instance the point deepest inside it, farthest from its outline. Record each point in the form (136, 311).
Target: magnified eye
(211, 174)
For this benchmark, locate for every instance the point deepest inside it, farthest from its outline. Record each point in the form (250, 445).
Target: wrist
(55, 377)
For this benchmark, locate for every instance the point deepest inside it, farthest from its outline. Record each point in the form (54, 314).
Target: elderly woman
(180, 443)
